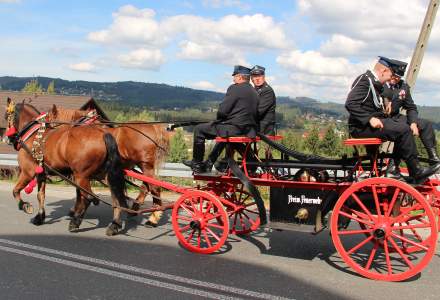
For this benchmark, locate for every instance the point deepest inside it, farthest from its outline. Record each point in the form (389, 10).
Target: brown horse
(142, 145)
(85, 152)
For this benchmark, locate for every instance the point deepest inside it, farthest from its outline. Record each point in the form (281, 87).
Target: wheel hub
(195, 225)
(379, 233)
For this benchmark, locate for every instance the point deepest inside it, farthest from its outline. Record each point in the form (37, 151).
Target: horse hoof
(26, 207)
(113, 229)
(134, 207)
(73, 227)
(74, 224)
(150, 224)
(39, 219)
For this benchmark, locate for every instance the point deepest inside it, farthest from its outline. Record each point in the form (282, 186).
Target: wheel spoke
(416, 234)
(405, 212)
(208, 208)
(209, 218)
(395, 246)
(184, 228)
(411, 227)
(372, 254)
(201, 204)
(387, 257)
(180, 217)
(354, 218)
(251, 211)
(187, 209)
(207, 239)
(359, 214)
(213, 234)
(376, 200)
(214, 225)
(409, 241)
(190, 236)
(249, 204)
(364, 208)
(393, 201)
(243, 226)
(198, 239)
(348, 232)
(360, 244)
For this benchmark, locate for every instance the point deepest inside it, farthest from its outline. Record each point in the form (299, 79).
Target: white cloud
(226, 3)
(340, 45)
(83, 67)
(142, 59)
(204, 85)
(226, 40)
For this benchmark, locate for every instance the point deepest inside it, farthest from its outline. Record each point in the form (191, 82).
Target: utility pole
(422, 43)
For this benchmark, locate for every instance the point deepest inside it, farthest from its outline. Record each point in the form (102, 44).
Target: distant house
(44, 103)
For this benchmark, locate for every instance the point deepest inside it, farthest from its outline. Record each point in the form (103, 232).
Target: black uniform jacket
(400, 97)
(266, 105)
(239, 107)
(360, 104)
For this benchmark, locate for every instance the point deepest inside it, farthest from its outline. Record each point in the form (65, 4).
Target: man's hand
(388, 108)
(376, 123)
(414, 129)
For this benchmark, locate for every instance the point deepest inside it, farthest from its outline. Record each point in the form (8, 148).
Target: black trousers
(209, 131)
(426, 131)
(396, 130)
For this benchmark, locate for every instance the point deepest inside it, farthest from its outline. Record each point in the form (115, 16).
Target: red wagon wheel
(200, 222)
(244, 217)
(380, 235)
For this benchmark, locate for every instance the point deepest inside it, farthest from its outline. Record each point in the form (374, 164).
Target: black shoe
(432, 155)
(393, 170)
(420, 174)
(198, 167)
(188, 163)
(208, 165)
(221, 166)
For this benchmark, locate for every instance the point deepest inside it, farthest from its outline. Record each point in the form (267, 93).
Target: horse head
(65, 115)
(18, 115)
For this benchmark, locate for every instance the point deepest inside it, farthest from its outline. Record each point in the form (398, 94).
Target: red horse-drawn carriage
(385, 229)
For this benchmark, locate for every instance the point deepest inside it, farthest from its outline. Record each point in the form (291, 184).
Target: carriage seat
(363, 142)
(244, 139)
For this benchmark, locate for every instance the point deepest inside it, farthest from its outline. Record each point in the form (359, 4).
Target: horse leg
(72, 209)
(116, 225)
(81, 204)
(41, 215)
(23, 180)
(155, 216)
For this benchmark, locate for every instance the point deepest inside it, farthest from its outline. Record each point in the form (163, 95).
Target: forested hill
(163, 96)
(128, 92)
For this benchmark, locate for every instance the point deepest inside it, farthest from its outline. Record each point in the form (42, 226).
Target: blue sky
(309, 47)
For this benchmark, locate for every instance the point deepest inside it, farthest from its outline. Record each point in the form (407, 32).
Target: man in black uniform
(398, 94)
(236, 115)
(267, 101)
(368, 118)
(266, 113)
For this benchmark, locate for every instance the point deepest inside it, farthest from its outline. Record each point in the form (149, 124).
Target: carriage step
(293, 227)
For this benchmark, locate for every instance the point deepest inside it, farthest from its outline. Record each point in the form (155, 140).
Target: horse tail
(114, 170)
(163, 141)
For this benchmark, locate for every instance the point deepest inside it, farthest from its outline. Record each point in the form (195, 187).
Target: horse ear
(8, 101)
(54, 110)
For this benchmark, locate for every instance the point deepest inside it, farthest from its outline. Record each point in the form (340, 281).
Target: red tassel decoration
(30, 187)
(39, 170)
(11, 131)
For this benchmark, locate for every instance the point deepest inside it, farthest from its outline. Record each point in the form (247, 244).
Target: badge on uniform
(402, 94)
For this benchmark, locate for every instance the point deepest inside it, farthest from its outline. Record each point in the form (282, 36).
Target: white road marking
(199, 283)
(156, 283)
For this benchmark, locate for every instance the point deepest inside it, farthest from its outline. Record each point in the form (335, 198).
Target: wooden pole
(422, 43)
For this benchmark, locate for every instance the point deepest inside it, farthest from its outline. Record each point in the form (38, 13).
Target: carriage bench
(244, 139)
(363, 142)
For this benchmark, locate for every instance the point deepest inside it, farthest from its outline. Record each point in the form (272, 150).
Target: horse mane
(66, 115)
(163, 140)
(20, 106)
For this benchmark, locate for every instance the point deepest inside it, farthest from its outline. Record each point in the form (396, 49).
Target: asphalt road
(48, 262)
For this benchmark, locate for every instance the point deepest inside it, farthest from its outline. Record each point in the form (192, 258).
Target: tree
(51, 88)
(178, 147)
(329, 144)
(33, 87)
(292, 140)
(312, 141)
